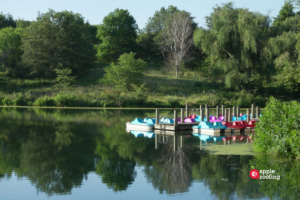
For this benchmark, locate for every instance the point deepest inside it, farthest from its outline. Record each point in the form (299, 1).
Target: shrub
(6, 101)
(278, 131)
(44, 101)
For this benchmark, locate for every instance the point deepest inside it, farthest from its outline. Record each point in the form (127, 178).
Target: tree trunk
(176, 70)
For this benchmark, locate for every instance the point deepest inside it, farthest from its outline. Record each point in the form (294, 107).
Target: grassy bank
(161, 89)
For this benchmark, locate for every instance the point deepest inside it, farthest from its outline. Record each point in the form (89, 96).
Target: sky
(95, 10)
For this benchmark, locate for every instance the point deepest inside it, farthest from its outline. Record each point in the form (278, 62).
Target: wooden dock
(178, 127)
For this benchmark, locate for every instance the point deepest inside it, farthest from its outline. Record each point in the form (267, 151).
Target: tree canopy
(235, 40)
(10, 49)
(117, 34)
(58, 38)
(7, 21)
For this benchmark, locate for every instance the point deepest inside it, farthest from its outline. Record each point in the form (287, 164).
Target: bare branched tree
(176, 39)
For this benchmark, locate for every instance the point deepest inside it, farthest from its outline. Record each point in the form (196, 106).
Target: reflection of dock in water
(163, 136)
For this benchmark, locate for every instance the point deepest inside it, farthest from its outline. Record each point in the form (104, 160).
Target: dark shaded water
(87, 154)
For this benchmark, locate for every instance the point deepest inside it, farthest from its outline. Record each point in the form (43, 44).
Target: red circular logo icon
(254, 174)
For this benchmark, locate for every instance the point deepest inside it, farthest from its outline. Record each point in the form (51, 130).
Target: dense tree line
(240, 47)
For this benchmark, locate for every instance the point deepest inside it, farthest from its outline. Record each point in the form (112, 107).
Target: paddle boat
(208, 128)
(140, 124)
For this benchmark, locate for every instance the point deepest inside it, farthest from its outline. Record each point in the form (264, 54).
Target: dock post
(229, 114)
(257, 111)
(248, 115)
(223, 110)
(157, 116)
(217, 112)
(234, 111)
(175, 120)
(182, 115)
(252, 110)
(238, 111)
(226, 115)
(201, 113)
(187, 110)
(207, 112)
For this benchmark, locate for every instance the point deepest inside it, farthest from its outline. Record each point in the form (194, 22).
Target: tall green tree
(10, 49)
(285, 12)
(7, 21)
(58, 39)
(117, 34)
(156, 23)
(235, 41)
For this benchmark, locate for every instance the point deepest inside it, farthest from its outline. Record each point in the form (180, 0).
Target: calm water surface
(88, 154)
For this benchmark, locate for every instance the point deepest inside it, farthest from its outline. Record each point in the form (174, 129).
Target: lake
(88, 154)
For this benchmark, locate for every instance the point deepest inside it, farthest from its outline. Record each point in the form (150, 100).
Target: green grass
(164, 90)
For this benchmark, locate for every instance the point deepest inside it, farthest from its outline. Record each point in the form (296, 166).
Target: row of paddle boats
(214, 123)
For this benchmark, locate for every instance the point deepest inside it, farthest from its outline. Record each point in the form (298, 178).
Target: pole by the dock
(229, 114)
(226, 115)
(201, 113)
(217, 112)
(252, 110)
(201, 108)
(257, 112)
(182, 115)
(175, 120)
(234, 111)
(248, 115)
(187, 110)
(207, 112)
(238, 111)
(157, 116)
(223, 110)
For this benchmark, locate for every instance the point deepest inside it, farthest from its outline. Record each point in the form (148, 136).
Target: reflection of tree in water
(288, 187)
(52, 161)
(172, 173)
(117, 174)
(115, 171)
(227, 176)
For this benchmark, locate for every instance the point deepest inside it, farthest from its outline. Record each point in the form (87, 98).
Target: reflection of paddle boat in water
(207, 138)
(138, 124)
(143, 134)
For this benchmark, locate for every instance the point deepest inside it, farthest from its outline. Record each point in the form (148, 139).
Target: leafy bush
(125, 72)
(44, 101)
(6, 101)
(19, 101)
(278, 131)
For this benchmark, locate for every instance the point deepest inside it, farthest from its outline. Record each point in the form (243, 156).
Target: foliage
(58, 38)
(10, 50)
(7, 21)
(117, 34)
(278, 131)
(285, 12)
(235, 42)
(125, 72)
(157, 23)
(63, 76)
